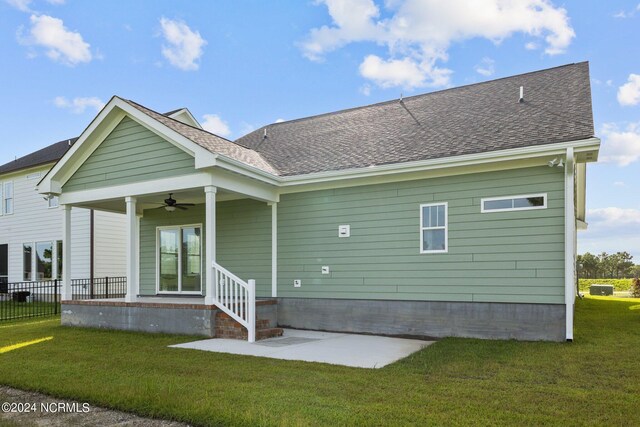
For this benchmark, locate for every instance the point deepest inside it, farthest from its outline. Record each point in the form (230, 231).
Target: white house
(31, 227)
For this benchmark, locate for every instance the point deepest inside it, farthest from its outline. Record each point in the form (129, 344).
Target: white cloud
(80, 104)
(56, 2)
(21, 5)
(486, 67)
(614, 217)
(627, 14)
(629, 93)
(621, 146)
(184, 46)
(418, 33)
(609, 82)
(365, 89)
(61, 44)
(280, 120)
(404, 72)
(611, 229)
(214, 124)
(531, 46)
(619, 184)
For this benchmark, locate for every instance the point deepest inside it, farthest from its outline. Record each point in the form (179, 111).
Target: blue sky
(239, 65)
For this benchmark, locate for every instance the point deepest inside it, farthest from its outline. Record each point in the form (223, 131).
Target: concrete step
(263, 334)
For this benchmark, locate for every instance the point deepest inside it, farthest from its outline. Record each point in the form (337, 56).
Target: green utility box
(601, 290)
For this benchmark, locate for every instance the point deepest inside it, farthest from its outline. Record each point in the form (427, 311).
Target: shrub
(618, 284)
(635, 288)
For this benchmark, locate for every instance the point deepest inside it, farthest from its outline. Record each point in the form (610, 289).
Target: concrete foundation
(424, 319)
(170, 318)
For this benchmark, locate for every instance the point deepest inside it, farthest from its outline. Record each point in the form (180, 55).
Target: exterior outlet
(297, 283)
(344, 231)
(325, 269)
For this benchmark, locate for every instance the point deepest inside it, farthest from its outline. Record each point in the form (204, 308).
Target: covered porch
(175, 257)
(201, 212)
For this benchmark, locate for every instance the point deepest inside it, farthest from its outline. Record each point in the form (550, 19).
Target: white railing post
(251, 318)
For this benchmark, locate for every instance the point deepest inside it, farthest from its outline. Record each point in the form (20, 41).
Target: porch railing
(237, 298)
(42, 298)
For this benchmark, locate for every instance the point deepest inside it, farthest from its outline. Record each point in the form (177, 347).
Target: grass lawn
(593, 381)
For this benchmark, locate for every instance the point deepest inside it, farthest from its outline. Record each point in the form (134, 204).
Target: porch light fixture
(553, 162)
(170, 208)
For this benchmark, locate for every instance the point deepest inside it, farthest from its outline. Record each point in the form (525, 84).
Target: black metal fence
(34, 299)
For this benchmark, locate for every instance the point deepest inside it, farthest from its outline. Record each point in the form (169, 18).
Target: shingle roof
(465, 120)
(209, 141)
(49, 154)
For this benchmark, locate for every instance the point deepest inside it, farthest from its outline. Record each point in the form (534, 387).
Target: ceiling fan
(171, 204)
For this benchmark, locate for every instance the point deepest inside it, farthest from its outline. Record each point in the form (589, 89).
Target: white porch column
(210, 242)
(67, 292)
(569, 242)
(274, 249)
(132, 250)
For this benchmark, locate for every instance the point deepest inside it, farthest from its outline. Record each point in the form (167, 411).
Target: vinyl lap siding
(493, 257)
(33, 221)
(244, 241)
(110, 242)
(131, 153)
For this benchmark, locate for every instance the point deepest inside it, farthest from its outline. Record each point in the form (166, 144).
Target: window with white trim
(7, 200)
(179, 259)
(433, 228)
(27, 262)
(513, 203)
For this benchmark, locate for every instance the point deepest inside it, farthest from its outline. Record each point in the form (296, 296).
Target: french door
(180, 259)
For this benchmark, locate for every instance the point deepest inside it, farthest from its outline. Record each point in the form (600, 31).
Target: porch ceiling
(155, 200)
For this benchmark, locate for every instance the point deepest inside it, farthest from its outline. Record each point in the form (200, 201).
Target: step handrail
(236, 297)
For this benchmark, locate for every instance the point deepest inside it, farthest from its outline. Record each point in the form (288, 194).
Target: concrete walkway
(360, 351)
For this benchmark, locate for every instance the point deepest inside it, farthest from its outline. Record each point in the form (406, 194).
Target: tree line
(607, 266)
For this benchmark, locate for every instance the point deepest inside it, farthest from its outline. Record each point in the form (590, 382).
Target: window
(53, 202)
(44, 261)
(27, 265)
(433, 228)
(513, 203)
(59, 259)
(8, 198)
(180, 259)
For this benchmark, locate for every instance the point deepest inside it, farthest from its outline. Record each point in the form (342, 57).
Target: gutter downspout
(569, 241)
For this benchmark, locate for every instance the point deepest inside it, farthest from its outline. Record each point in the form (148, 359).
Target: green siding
(243, 242)
(502, 256)
(131, 153)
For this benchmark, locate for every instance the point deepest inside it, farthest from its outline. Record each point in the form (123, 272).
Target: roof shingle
(465, 120)
(49, 154)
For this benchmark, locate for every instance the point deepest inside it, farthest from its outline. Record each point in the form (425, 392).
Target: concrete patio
(360, 351)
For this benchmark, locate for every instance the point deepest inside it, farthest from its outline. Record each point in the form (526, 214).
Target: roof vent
(69, 143)
(265, 134)
(521, 94)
